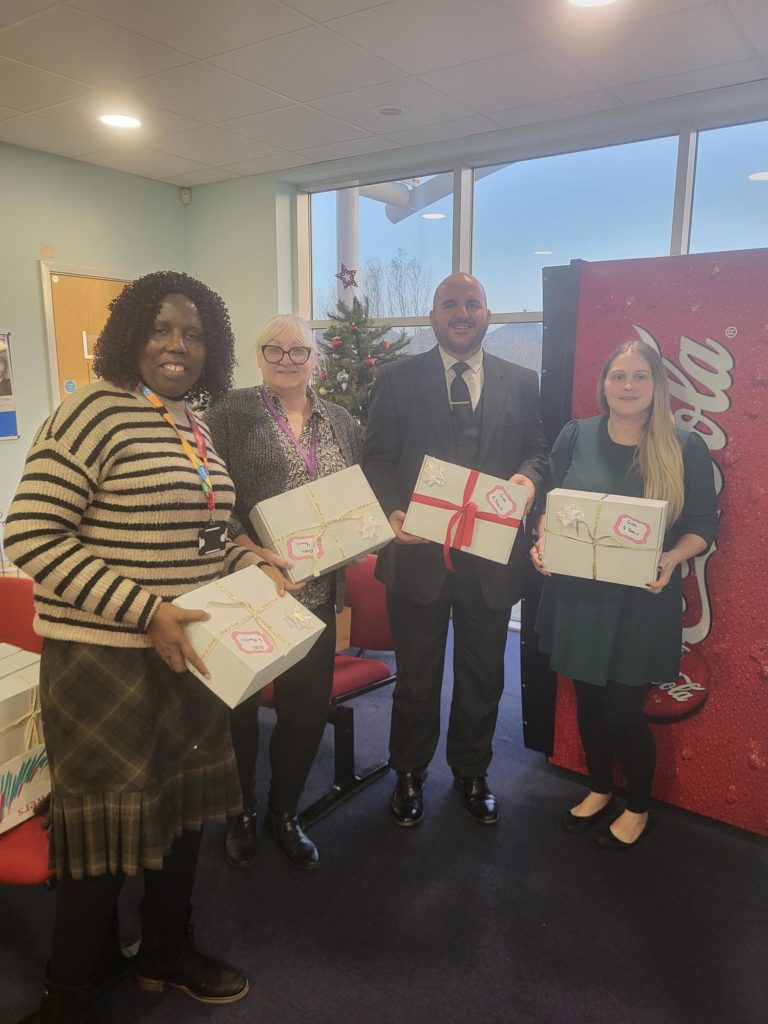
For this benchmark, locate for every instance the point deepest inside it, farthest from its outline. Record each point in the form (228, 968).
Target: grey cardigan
(243, 436)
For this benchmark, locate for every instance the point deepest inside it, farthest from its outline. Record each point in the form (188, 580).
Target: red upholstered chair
(354, 675)
(17, 610)
(23, 849)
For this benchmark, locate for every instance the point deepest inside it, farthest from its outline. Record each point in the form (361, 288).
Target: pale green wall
(91, 217)
(240, 244)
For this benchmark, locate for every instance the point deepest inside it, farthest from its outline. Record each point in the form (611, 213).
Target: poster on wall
(706, 315)
(8, 422)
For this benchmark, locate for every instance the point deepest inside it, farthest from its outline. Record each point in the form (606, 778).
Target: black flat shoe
(478, 799)
(285, 828)
(241, 842)
(577, 823)
(407, 803)
(608, 841)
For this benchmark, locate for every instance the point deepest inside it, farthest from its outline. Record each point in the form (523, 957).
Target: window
(395, 235)
(730, 210)
(600, 204)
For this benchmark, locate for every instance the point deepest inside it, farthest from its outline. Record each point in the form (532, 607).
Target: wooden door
(80, 308)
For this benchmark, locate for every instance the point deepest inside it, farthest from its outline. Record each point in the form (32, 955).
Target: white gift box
(20, 728)
(323, 524)
(467, 510)
(24, 782)
(607, 537)
(252, 635)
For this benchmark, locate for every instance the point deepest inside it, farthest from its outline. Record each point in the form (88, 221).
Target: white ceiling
(226, 88)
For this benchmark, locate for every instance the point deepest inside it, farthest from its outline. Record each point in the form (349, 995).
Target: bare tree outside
(398, 288)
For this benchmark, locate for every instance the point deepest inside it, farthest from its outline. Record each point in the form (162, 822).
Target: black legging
(85, 924)
(301, 704)
(612, 725)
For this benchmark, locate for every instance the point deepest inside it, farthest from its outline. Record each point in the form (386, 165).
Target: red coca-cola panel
(708, 317)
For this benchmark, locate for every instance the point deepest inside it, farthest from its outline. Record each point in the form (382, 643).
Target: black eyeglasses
(297, 355)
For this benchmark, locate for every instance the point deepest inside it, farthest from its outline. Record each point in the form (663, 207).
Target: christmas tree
(353, 349)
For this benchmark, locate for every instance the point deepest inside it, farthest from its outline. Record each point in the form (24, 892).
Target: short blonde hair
(297, 327)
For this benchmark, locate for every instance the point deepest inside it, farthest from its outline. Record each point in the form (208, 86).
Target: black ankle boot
(241, 842)
(168, 957)
(62, 1004)
(286, 830)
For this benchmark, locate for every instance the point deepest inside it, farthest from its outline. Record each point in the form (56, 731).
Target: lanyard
(308, 458)
(199, 461)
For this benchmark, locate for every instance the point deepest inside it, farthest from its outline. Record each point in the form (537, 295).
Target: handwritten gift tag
(502, 503)
(305, 546)
(251, 641)
(634, 530)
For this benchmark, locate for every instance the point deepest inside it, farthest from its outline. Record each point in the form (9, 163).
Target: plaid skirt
(138, 754)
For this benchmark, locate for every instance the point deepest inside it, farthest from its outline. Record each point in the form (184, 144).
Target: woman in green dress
(613, 640)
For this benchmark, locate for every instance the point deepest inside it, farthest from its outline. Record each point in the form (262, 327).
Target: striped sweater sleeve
(41, 538)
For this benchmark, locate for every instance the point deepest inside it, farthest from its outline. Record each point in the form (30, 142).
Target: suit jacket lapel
(435, 392)
(494, 393)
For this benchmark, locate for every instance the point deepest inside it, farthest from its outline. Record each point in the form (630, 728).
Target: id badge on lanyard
(211, 539)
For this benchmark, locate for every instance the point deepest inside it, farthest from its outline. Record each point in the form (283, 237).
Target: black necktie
(461, 404)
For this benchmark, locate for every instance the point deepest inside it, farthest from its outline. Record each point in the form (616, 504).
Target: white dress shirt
(473, 376)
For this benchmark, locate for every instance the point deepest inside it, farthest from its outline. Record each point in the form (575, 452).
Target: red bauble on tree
(353, 327)
(385, 345)
(336, 343)
(323, 375)
(370, 361)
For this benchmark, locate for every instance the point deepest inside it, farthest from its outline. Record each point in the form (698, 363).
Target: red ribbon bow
(461, 525)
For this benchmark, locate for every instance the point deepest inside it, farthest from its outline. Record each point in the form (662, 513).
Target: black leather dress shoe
(577, 823)
(407, 804)
(285, 828)
(478, 799)
(240, 844)
(608, 841)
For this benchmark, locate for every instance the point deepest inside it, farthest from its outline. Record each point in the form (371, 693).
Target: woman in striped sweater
(123, 506)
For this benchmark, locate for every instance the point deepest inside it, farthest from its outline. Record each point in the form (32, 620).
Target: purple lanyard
(309, 459)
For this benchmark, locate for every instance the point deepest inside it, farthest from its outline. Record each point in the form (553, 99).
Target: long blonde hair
(659, 457)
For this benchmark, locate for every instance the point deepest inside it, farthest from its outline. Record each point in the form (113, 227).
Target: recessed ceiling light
(543, 252)
(120, 121)
(591, 3)
(433, 216)
(759, 176)
(390, 111)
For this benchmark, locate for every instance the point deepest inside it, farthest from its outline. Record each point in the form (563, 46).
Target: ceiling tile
(138, 160)
(556, 19)
(294, 128)
(210, 145)
(36, 133)
(324, 10)
(30, 88)
(462, 126)
(552, 110)
(6, 112)
(72, 43)
(308, 64)
(203, 177)
(497, 83)
(86, 111)
(422, 35)
(199, 27)
(663, 45)
(14, 10)
(422, 105)
(206, 93)
(269, 163)
(691, 81)
(358, 147)
(752, 17)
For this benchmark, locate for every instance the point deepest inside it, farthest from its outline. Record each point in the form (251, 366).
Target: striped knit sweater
(107, 516)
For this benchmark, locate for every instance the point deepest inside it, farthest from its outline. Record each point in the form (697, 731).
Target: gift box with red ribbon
(465, 510)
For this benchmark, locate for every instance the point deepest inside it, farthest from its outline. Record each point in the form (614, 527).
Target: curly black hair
(131, 322)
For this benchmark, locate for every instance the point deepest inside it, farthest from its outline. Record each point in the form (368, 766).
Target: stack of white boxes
(24, 776)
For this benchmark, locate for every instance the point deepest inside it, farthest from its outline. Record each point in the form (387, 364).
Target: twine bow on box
(461, 525)
(33, 735)
(296, 618)
(572, 518)
(360, 513)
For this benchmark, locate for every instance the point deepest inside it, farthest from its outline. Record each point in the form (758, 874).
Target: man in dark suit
(465, 406)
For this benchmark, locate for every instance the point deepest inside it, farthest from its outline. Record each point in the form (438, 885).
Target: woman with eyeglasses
(275, 437)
